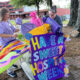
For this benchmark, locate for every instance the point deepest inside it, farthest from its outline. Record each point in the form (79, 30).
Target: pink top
(34, 19)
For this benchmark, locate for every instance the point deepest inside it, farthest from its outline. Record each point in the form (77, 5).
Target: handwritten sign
(47, 57)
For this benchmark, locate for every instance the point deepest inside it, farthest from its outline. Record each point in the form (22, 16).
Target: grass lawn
(20, 36)
(65, 22)
(24, 21)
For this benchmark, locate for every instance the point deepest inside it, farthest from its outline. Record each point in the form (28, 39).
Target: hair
(3, 11)
(53, 9)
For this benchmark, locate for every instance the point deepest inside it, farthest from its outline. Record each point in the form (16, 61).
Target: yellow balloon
(40, 30)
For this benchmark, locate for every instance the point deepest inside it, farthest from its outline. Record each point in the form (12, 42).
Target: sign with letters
(47, 57)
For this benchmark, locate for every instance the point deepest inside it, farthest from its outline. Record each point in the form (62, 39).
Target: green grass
(65, 22)
(13, 22)
(24, 21)
(20, 36)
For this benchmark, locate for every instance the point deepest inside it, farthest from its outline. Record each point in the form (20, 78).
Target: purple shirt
(6, 28)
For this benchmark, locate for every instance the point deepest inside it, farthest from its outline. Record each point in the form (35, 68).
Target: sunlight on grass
(65, 22)
(24, 21)
(20, 36)
(13, 22)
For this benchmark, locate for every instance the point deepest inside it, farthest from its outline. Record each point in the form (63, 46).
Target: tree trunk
(78, 18)
(51, 3)
(37, 5)
(38, 9)
(73, 12)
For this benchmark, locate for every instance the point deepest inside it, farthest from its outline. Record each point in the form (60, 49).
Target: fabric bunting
(11, 52)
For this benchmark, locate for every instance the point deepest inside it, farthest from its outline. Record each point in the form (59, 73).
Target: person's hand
(15, 35)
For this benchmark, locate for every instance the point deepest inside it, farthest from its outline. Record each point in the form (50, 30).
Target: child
(35, 19)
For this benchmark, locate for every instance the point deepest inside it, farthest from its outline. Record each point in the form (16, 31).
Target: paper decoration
(55, 27)
(47, 57)
(11, 52)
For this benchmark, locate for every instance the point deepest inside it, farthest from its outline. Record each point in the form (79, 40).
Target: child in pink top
(35, 19)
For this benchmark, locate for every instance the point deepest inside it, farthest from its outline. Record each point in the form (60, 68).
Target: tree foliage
(20, 3)
(49, 3)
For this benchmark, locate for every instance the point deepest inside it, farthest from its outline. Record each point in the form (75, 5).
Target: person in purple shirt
(7, 31)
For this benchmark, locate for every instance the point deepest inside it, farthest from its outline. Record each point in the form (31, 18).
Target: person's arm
(59, 21)
(13, 28)
(8, 35)
(17, 30)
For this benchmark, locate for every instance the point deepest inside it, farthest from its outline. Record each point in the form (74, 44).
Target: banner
(11, 52)
(48, 57)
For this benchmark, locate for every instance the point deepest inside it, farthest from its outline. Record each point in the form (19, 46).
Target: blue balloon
(28, 36)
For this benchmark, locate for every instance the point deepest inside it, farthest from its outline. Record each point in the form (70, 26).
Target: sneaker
(14, 66)
(12, 74)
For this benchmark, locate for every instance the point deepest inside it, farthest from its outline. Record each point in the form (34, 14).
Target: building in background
(13, 11)
(25, 11)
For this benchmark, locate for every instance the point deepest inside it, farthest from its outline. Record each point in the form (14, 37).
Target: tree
(49, 3)
(73, 13)
(78, 17)
(20, 3)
